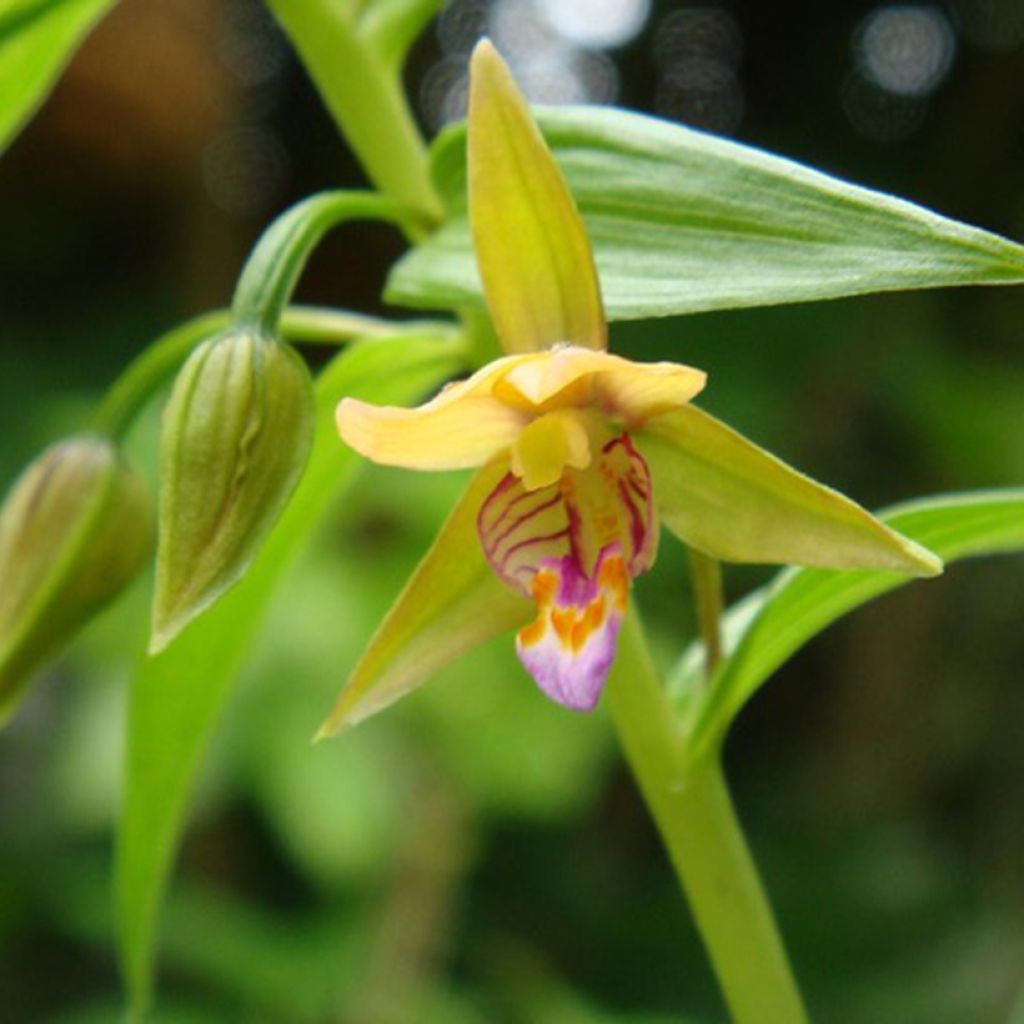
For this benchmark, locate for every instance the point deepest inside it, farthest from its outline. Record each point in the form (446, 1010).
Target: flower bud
(74, 530)
(235, 439)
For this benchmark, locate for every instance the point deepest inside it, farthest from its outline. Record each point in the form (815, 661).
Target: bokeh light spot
(906, 50)
(597, 24)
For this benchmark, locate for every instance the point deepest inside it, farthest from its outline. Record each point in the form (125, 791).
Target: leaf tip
(327, 731)
(926, 563)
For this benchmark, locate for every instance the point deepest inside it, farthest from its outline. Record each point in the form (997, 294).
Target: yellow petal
(636, 391)
(455, 435)
(475, 419)
(617, 386)
(534, 256)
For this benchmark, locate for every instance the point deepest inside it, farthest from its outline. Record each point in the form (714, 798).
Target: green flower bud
(74, 530)
(236, 436)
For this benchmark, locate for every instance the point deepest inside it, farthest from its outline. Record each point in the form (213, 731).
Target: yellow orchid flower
(579, 453)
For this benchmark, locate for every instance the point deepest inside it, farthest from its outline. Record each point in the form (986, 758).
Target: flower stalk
(706, 576)
(273, 268)
(153, 367)
(690, 804)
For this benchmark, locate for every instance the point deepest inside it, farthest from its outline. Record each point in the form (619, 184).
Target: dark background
(476, 854)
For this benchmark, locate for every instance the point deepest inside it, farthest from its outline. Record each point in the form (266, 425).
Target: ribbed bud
(235, 439)
(74, 530)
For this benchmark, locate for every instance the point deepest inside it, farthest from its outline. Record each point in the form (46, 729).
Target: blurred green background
(478, 854)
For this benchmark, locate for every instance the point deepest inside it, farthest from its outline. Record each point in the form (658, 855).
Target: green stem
(273, 267)
(390, 27)
(151, 368)
(706, 573)
(695, 816)
(365, 99)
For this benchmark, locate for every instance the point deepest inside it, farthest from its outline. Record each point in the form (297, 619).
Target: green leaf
(776, 622)
(37, 39)
(682, 222)
(177, 696)
(452, 603)
(725, 496)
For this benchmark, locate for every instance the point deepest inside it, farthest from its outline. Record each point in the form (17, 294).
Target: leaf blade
(173, 709)
(683, 222)
(803, 602)
(37, 39)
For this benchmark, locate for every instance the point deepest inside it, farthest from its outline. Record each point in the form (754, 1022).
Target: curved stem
(690, 803)
(273, 267)
(152, 367)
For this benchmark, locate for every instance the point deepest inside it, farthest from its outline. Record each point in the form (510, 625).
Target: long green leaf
(177, 696)
(803, 602)
(37, 39)
(682, 222)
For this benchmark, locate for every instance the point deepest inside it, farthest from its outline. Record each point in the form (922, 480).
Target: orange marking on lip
(574, 626)
(534, 632)
(543, 589)
(613, 577)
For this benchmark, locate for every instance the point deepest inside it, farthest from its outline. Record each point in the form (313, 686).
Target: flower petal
(445, 434)
(569, 647)
(533, 252)
(725, 496)
(620, 387)
(473, 420)
(452, 603)
(637, 391)
(578, 516)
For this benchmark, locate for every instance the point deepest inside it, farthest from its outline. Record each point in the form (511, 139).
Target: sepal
(531, 247)
(452, 603)
(75, 529)
(236, 435)
(725, 496)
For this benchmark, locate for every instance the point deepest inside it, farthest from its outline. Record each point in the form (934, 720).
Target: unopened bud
(235, 439)
(74, 530)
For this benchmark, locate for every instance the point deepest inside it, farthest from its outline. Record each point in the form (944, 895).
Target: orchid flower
(580, 454)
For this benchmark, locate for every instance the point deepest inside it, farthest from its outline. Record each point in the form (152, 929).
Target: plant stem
(152, 367)
(390, 27)
(278, 258)
(364, 97)
(690, 804)
(706, 573)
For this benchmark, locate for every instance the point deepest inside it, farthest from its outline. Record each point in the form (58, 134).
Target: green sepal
(235, 438)
(725, 496)
(75, 529)
(768, 626)
(532, 250)
(452, 603)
